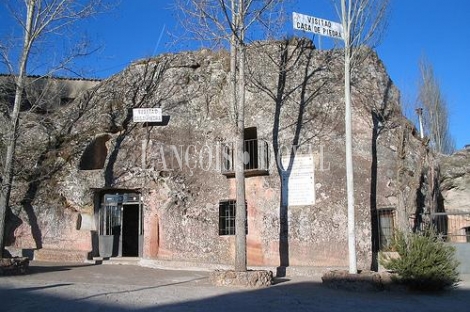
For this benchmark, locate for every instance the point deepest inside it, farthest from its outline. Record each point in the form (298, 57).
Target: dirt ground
(68, 287)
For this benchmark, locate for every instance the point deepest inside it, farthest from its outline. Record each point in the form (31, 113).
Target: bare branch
(435, 113)
(38, 19)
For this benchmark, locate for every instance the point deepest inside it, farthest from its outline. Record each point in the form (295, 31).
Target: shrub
(425, 262)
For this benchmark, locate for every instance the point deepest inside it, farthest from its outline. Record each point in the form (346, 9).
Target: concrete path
(66, 287)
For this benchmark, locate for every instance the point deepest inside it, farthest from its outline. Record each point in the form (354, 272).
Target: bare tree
(363, 22)
(232, 22)
(434, 110)
(302, 83)
(38, 19)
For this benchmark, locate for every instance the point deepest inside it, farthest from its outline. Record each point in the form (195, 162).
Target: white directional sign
(147, 114)
(317, 25)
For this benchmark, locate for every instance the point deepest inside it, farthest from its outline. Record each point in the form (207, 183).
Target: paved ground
(66, 287)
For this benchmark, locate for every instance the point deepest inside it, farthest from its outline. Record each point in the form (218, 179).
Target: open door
(130, 230)
(120, 226)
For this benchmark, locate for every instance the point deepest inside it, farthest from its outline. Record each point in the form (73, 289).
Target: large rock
(455, 180)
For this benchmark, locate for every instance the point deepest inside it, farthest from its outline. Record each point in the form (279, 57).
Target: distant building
(43, 93)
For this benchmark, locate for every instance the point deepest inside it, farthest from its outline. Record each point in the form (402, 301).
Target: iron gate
(454, 226)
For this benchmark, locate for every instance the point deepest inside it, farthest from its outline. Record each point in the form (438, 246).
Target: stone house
(44, 93)
(164, 192)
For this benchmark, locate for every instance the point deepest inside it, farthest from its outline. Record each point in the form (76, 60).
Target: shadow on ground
(179, 291)
(39, 269)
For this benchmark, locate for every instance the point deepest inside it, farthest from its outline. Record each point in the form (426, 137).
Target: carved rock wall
(294, 98)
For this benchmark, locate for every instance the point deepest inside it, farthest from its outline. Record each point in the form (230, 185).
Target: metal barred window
(227, 217)
(386, 227)
(227, 214)
(453, 225)
(256, 155)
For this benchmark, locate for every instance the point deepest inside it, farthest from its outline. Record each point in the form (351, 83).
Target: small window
(386, 227)
(227, 214)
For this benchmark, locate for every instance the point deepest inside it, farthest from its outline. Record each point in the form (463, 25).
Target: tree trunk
(13, 128)
(240, 213)
(233, 66)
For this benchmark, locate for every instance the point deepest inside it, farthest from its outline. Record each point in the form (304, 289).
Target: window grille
(110, 220)
(386, 227)
(454, 226)
(227, 217)
(255, 159)
(227, 214)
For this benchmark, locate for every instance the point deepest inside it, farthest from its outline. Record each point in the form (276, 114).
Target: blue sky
(436, 29)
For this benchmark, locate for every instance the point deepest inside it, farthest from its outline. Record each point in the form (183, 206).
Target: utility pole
(346, 19)
(342, 32)
(419, 111)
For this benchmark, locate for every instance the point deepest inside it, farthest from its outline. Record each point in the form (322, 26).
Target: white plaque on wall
(298, 183)
(152, 114)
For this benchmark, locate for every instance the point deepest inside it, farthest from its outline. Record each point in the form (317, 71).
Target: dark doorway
(130, 230)
(251, 148)
(120, 224)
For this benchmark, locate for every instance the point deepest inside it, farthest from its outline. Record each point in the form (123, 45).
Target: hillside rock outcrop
(455, 180)
(91, 147)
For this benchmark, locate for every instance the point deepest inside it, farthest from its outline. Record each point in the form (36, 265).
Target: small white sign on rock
(298, 182)
(153, 114)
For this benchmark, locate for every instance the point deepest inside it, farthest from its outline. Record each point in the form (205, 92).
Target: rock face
(180, 168)
(455, 180)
